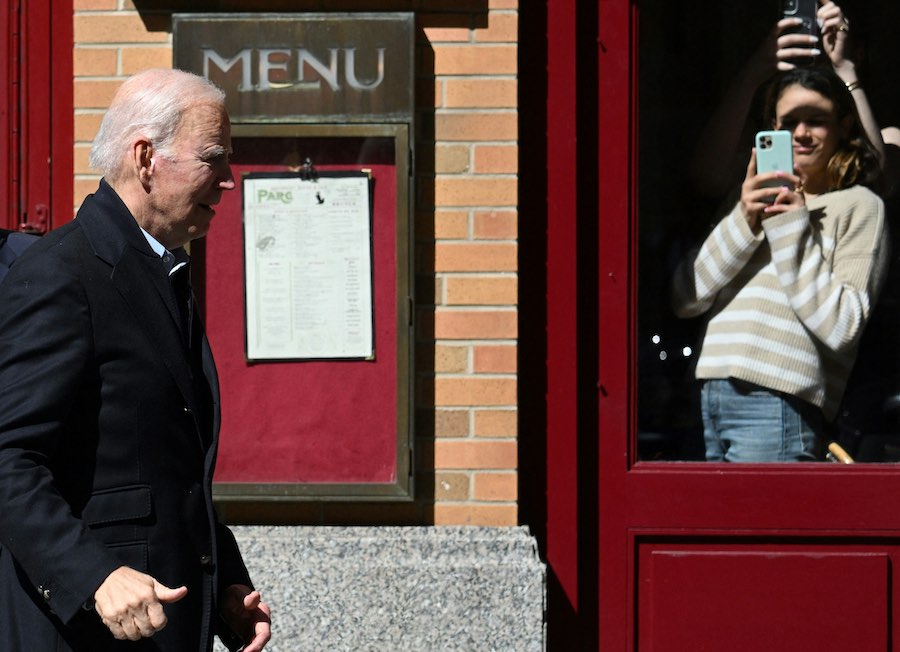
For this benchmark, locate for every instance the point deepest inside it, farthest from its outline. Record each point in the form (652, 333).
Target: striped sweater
(787, 305)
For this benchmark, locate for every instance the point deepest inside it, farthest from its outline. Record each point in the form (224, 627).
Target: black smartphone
(805, 10)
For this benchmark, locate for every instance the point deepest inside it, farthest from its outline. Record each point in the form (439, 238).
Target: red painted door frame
(557, 307)
(562, 277)
(36, 114)
(699, 509)
(608, 524)
(617, 187)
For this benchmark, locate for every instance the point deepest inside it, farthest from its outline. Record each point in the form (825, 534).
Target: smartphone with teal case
(774, 153)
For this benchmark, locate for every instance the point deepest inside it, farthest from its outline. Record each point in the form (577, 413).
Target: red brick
(496, 159)
(429, 95)
(86, 126)
(474, 391)
(82, 187)
(463, 92)
(475, 60)
(478, 257)
(481, 291)
(451, 159)
(81, 166)
(451, 225)
(448, 34)
(119, 28)
(499, 359)
(451, 486)
(496, 225)
(137, 59)
(451, 359)
(496, 423)
(485, 515)
(502, 28)
(470, 454)
(94, 62)
(476, 126)
(457, 191)
(475, 324)
(94, 94)
(451, 423)
(496, 487)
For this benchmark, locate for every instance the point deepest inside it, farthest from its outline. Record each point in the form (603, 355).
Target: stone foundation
(398, 588)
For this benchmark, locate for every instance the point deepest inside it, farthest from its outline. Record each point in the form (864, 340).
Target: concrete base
(398, 588)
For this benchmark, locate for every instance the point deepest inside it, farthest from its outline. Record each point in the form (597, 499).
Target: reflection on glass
(689, 181)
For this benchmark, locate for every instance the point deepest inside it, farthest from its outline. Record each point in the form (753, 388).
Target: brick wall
(111, 42)
(466, 232)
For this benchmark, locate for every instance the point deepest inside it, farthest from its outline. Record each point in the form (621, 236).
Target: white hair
(148, 105)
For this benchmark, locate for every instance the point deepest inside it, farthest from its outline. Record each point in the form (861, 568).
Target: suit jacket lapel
(141, 282)
(140, 278)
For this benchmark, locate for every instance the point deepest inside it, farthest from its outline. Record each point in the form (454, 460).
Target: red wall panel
(304, 421)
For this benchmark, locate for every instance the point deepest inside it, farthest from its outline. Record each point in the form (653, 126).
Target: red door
(697, 556)
(36, 120)
(648, 547)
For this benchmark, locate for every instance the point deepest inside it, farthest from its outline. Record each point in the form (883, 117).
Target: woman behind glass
(788, 279)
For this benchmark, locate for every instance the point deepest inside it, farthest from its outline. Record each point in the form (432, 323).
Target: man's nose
(226, 180)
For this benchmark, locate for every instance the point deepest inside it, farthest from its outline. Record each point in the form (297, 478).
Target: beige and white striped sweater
(787, 306)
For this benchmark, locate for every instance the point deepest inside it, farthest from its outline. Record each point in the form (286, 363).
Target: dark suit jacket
(12, 244)
(107, 440)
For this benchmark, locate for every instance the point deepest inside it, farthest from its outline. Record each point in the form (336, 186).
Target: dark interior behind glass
(688, 53)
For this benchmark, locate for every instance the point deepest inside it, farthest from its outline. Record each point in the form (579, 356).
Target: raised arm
(836, 45)
(721, 146)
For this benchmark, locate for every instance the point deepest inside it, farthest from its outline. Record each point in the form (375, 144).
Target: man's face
(190, 180)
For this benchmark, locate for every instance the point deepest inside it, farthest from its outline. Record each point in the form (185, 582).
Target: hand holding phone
(806, 11)
(769, 186)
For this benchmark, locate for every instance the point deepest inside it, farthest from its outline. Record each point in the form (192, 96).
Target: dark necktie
(192, 336)
(180, 280)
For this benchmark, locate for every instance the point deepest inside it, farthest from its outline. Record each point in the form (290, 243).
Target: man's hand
(131, 603)
(248, 616)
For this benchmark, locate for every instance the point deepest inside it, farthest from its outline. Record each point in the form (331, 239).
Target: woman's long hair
(855, 161)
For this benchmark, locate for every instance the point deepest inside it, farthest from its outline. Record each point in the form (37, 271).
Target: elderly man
(109, 408)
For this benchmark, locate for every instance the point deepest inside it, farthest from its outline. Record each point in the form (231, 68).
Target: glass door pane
(693, 59)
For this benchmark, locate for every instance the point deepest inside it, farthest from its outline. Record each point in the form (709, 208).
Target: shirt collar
(175, 260)
(155, 244)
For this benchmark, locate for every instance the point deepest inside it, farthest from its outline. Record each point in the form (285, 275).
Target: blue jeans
(743, 422)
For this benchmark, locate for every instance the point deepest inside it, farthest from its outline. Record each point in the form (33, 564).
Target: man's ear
(142, 159)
